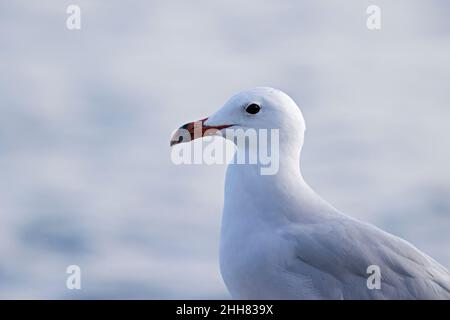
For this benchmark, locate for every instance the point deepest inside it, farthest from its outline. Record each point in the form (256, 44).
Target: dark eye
(253, 108)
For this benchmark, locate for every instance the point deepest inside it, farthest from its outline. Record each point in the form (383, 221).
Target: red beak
(194, 130)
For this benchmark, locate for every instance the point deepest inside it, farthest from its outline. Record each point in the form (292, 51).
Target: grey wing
(336, 256)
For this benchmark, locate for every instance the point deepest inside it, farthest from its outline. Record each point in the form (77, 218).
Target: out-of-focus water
(86, 117)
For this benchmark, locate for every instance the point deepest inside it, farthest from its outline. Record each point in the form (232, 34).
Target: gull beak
(194, 130)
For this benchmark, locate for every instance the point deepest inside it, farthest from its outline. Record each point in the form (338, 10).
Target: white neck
(282, 197)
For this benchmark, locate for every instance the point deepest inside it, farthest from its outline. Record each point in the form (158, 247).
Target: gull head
(258, 108)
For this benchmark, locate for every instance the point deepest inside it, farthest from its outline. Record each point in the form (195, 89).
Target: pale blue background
(86, 117)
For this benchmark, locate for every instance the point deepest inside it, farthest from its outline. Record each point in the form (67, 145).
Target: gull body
(280, 240)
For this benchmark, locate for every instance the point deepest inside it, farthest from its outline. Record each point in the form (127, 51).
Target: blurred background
(86, 117)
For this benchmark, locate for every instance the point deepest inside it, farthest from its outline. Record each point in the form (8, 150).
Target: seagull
(281, 240)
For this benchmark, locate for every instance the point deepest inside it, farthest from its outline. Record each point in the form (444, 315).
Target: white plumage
(280, 240)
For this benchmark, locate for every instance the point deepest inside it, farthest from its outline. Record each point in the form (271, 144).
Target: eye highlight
(252, 108)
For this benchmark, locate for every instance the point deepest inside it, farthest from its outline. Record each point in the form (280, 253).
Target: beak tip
(176, 138)
(187, 132)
